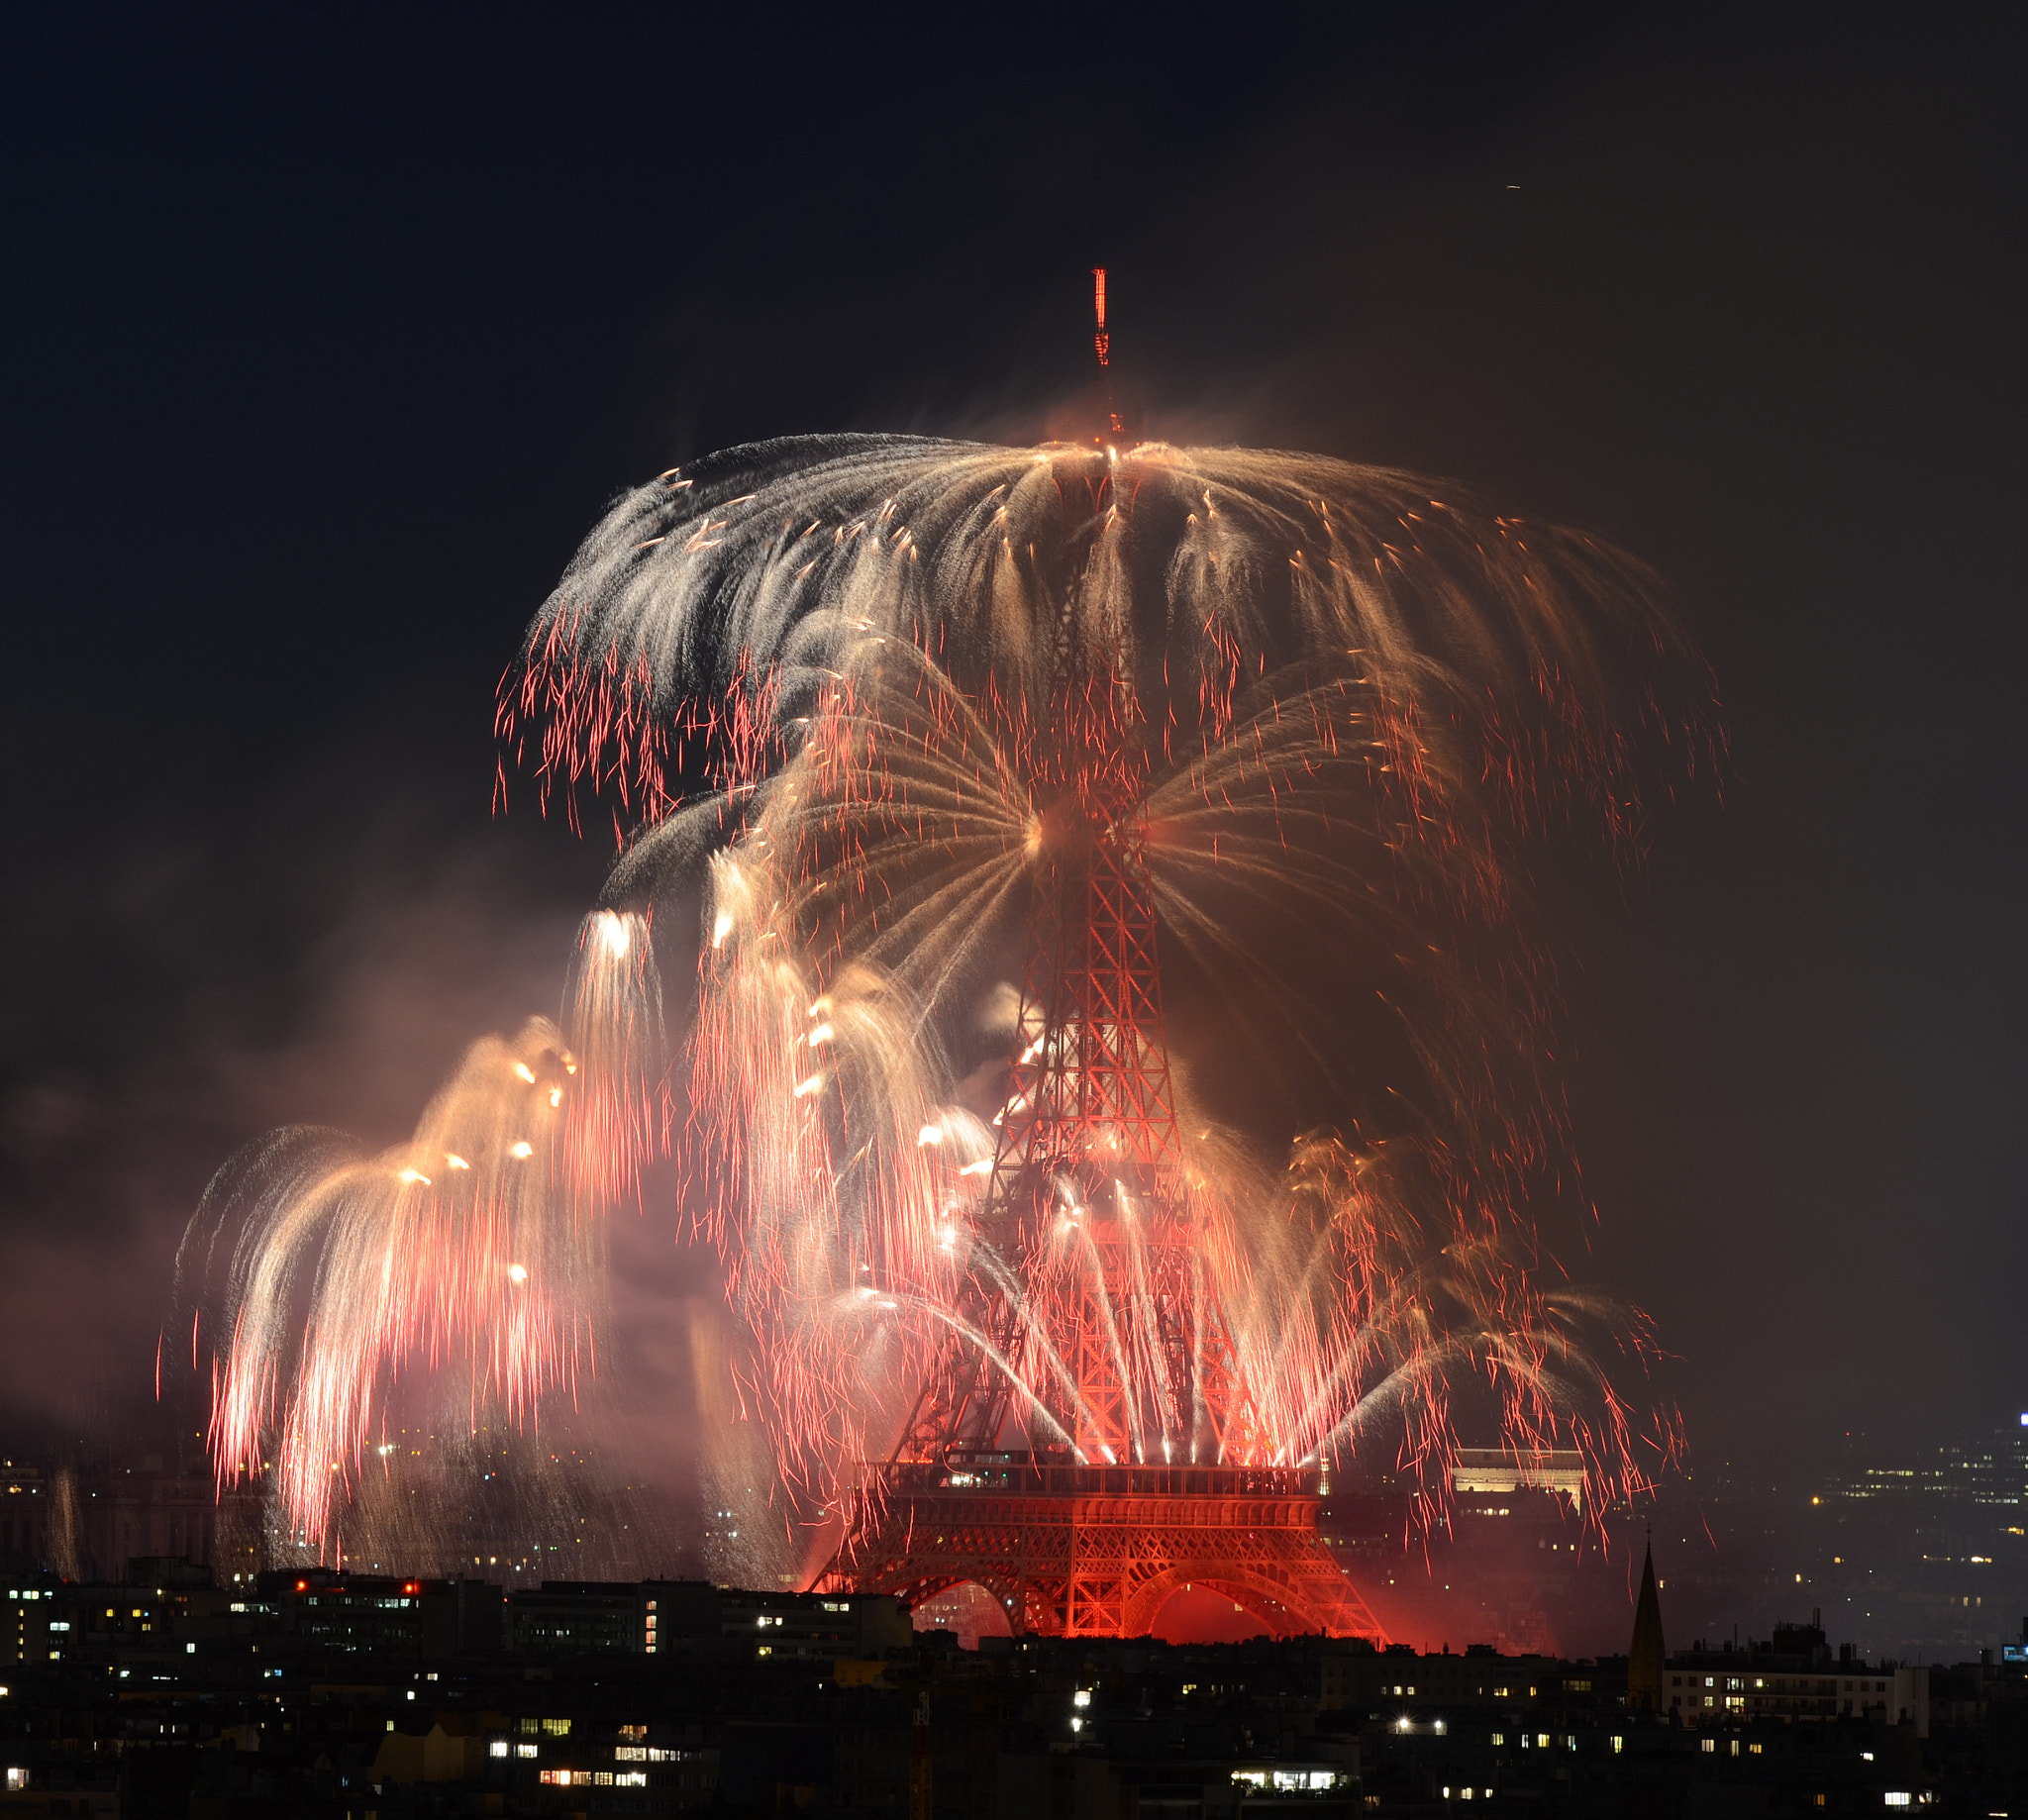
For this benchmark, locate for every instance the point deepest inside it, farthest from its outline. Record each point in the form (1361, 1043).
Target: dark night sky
(328, 333)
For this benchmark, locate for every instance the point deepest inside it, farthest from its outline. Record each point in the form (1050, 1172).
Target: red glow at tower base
(1103, 1552)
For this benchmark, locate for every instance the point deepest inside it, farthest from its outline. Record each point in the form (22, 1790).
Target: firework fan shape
(908, 681)
(853, 704)
(473, 1254)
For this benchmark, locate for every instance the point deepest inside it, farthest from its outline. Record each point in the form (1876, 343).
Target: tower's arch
(1287, 1610)
(968, 1609)
(1097, 1552)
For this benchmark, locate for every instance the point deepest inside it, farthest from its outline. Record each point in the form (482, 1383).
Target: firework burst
(472, 1256)
(876, 710)
(921, 684)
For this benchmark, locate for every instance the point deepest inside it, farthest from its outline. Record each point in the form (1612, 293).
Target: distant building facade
(25, 1506)
(1793, 1676)
(1480, 1471)
(91, 1522)
(577, 1617)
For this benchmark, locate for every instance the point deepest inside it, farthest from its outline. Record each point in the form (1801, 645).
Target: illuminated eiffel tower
(1083, 1520)
(1083, 1511)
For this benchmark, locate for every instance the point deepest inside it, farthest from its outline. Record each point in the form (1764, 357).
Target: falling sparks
(1089, 651)
(920, 681)
(494, 1264)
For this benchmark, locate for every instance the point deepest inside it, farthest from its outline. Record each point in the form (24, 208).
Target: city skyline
(1747, 323)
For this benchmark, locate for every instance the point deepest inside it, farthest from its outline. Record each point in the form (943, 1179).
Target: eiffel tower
(1125, 1475)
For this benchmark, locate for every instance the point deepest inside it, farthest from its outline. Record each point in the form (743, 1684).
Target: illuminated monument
(1068, 1536)
(962, 711)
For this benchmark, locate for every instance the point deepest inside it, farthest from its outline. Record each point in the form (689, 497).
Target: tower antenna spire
(1115, 426)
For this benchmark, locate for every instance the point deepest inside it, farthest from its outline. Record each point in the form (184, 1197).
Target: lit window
(527, 1750)
(498, 1748)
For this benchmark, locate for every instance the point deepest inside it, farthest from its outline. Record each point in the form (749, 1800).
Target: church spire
(1645, 1655)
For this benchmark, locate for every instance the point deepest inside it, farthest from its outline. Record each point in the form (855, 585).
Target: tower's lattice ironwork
(1130, 1469)
(1131, 1473)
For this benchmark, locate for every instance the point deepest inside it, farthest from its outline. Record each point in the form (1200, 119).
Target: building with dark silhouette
(1646, 1656)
